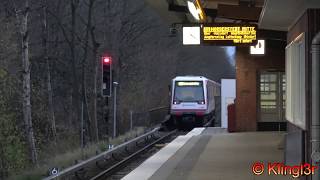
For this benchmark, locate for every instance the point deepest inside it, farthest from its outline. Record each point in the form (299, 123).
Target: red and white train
(193, 100)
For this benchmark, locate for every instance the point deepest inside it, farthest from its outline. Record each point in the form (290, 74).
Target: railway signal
(106, 76)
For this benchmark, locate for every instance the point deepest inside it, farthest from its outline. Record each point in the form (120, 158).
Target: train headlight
(176, 102)
(200, 102)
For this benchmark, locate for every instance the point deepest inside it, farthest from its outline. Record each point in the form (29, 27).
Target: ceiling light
(196, 10)
(193, 10)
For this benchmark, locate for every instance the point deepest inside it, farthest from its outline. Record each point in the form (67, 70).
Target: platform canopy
(277, 15)
(282, 14)
(176, 11)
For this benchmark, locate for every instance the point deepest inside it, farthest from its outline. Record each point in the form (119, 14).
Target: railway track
(119, 161)
(142, 157)
(126, 165)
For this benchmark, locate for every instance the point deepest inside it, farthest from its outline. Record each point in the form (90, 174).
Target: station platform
(213, 154)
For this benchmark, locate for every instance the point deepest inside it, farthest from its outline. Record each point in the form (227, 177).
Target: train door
(271, 101)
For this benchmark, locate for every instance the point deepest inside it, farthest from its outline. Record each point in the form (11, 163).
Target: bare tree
(70, 37)
(88, 25)
(73, 6)
(26, 89)
(51, 116)
(95, 58)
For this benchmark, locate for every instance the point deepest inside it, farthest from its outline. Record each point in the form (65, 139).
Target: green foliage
(27, 177)
(13, 157)
(71, 154)
(12, 147)
(3, 73)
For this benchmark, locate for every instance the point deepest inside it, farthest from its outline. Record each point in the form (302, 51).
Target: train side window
(208, 91)
(212, 91)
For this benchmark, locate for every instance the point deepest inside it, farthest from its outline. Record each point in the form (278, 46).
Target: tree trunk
(26, 92)
(91, 131)
(75, 83)
(88, 117)
(70, 110)
(51, 117)
(95, 81)
(96, 59)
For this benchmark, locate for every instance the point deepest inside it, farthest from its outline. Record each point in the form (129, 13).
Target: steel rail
(158, 108)
(93, 160)
(120, 163)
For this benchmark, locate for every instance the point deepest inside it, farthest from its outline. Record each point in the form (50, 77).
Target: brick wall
(247, 69)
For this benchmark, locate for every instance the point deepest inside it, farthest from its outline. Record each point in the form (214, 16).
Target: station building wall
(298, 147)
(247, 72)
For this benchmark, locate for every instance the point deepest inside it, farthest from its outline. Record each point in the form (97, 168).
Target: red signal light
(106, 60)
(106, 75)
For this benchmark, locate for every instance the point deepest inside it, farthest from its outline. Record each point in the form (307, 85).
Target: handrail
(101, 156)
(158, 108)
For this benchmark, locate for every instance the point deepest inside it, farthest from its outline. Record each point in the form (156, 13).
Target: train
(192, 101)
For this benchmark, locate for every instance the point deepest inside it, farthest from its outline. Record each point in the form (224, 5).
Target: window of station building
(284, 91)
(271, 96)
(295, 82)
(268, 82)
(268, 96)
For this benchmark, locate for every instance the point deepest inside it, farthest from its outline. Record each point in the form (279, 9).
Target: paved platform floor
(213, 154)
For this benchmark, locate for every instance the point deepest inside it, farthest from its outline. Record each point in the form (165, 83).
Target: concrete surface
(151, 165)
(216, 155)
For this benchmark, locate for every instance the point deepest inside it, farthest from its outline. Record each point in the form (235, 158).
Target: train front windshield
(188, 91)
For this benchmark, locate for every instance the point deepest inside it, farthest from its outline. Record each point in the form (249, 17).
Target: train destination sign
(188, 83)
(229, 34)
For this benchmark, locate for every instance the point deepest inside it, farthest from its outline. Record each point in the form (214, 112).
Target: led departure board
(229, 34)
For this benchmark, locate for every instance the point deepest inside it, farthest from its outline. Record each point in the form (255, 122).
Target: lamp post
(115, 84)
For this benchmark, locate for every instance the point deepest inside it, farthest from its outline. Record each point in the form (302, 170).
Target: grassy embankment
(71, 155)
